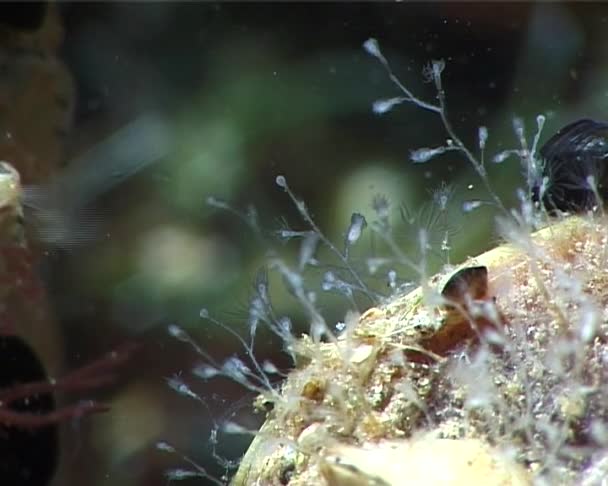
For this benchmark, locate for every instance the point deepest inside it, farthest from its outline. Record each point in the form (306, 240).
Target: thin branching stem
(301, 207)
(455, 142)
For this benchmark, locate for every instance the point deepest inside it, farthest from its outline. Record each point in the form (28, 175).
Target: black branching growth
(574, 168)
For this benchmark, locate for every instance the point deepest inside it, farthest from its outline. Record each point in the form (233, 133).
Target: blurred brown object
(36, 99)
(36, 107)
(36, 111)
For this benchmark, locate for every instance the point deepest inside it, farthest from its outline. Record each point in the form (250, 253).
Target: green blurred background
(248, 91)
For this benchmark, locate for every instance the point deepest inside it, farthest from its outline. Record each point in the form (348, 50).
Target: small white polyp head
(10, 186)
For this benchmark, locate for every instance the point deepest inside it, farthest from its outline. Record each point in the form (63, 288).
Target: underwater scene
(302, 243)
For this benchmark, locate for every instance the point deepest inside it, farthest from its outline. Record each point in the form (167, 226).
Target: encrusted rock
(487, 374)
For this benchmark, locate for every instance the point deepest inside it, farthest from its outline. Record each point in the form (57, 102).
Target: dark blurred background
(240, 93)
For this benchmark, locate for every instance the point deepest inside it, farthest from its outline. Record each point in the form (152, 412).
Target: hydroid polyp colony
(491, 370)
